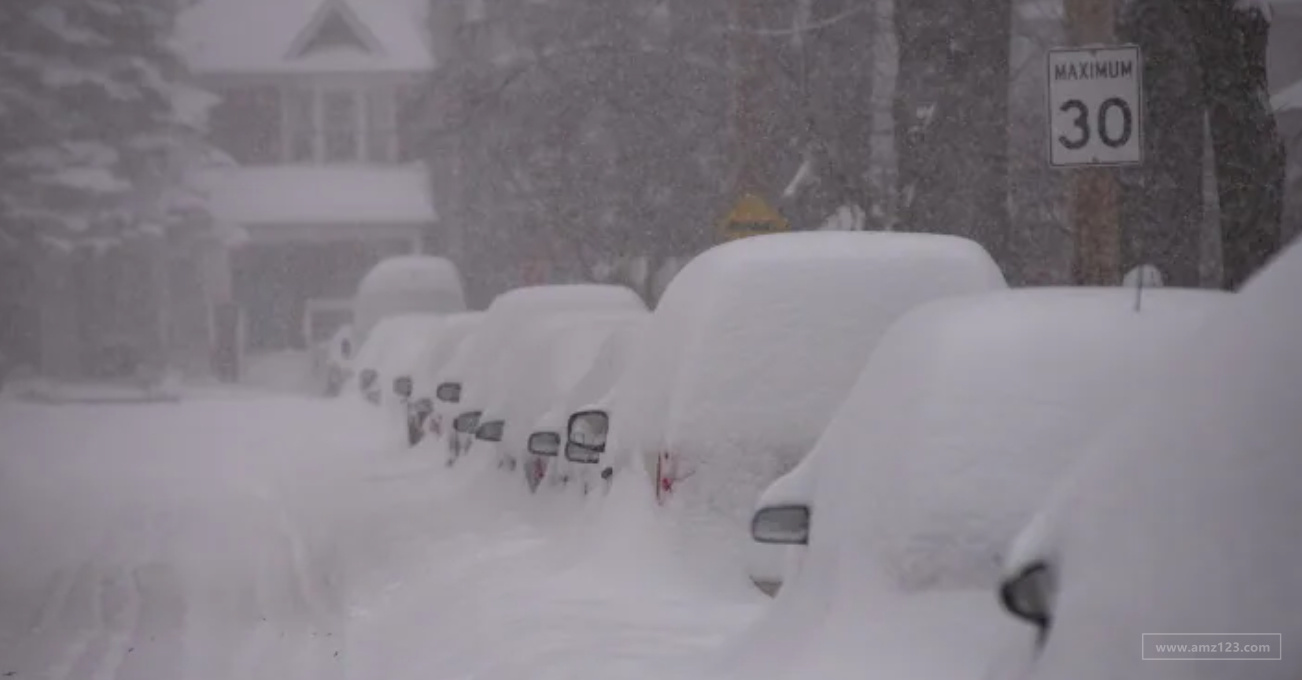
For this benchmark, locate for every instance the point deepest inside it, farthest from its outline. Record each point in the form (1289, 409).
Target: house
(321, 177)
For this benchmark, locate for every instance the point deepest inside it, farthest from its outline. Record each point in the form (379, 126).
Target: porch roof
(320, 195)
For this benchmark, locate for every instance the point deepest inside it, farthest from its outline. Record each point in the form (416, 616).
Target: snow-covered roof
(556, 353)
(412, 274)
(258, 37)
(480, 358)
(404, 285)
(443, 348)
(393, 344)
(320, 194)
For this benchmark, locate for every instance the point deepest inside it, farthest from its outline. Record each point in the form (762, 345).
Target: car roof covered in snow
(394, 340)
(554, 355)
(606, 367)
(960, 423)
(407, 284)
(756, 342)
(600, 376)
(423, 274)
(405, 336)
(442, 347)
(1184, 516)
(513, 310)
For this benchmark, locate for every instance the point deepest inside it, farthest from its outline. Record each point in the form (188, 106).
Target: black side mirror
(466, 422)
(545, 443)
(490, 431)
(1028, 595)
(586, 436)
(781, 524)
(402, 386)
(449, 392)
(421, 408)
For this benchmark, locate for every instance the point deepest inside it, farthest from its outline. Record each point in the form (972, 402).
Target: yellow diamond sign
(752, 216)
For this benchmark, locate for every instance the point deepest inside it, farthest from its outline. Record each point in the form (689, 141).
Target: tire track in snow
(72, 624)
(318, 657)
(299, 630)
(154, 648)
(55, 600)
(118, 605)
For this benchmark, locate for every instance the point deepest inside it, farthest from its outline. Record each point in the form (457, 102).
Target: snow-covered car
(439, 350)
(749, 353)
(551, 431)
(406, 284)
(559, 351)
(1182, 518)
(478, 368)
(967, 412)
(389, 353)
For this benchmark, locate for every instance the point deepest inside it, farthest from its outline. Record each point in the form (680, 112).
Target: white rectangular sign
(1096, 106)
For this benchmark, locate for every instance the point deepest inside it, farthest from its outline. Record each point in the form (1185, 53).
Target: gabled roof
(335, 26)
(281, 36)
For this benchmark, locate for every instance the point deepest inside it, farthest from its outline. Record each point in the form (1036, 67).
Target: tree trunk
(1161, 201)
(951, 115)
(1231, 45)
(841, 71)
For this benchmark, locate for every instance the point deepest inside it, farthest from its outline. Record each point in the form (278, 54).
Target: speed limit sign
(1096, 106)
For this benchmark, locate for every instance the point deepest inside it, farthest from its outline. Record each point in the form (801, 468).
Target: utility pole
(1094, 191)
(744, 127)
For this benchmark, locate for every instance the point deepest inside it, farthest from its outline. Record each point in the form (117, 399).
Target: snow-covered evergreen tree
(97, 122)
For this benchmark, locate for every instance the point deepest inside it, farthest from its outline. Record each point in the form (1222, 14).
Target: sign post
(1096, 122)
(752, 216)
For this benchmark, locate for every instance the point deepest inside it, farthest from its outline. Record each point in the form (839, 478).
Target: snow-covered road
(276, 537)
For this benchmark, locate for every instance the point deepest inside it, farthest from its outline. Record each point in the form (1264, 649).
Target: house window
(341, 123)
(300, 125)
(246, 125)
(381, 126)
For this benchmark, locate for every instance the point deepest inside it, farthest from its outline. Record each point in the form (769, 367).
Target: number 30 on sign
(1096, 112)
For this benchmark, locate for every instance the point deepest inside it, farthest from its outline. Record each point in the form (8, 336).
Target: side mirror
(781, 524)
(1028, 595)
(490, 431)
(466, 422)
(449, 392)
(402, 386)
(586, 436)
(367, 378)
(421, 408)
(544, 443)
